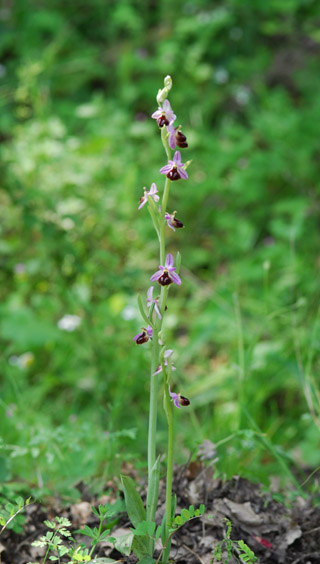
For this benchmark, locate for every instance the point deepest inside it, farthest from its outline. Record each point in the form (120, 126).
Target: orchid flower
(174, 170)
(164, 115)
(179, 400)
(172, 221)
(152, 192)
(166, 275)
(176, 137)
(144, 336)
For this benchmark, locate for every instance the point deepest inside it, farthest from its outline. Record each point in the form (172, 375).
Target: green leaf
(247, 554)
(65, 532)
(104, 534)
(95, 511)
(141, 546)
(123, 544)
(86, 531)
(19, 501)
(63, 550)
(143, 312)
(153, 490)
(144, 528)
(147, 560)
(185, 515)
(202, 509)
(134, 504)
(191, 510)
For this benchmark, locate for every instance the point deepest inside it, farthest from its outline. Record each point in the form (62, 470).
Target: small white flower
(23, 361)
(69, 322)
(129, 313)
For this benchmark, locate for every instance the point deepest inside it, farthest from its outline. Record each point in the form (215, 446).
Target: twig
(194, 553)
(301, 558)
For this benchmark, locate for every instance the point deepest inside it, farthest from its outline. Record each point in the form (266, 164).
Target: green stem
(169, 414)
(163, 222)
(46, 555)
(154, 379)
(164, 139)
(241, 360)
(98, 536)
(154, 385)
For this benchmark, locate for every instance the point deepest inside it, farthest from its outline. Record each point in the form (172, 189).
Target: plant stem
(98, 536)
(154, 384)
(241, 360)
(168, 411)
(154, 379)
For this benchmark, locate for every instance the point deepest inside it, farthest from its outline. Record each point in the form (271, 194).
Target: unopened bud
(168, 82)
(163, 92)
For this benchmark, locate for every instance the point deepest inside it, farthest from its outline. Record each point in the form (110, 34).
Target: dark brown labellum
(173, 174)
(181, 140)
(183, 401)
(143, 338)
(176, 223)
(165, 279)
(162, 120)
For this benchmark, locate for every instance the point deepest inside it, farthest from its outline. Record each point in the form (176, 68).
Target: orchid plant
(153, 311)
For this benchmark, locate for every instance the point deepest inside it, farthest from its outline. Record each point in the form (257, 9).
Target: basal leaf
(134, 504)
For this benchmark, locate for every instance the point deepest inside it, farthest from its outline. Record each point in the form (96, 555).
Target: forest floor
(277, 533)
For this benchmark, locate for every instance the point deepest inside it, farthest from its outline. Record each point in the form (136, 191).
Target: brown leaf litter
(276, 533)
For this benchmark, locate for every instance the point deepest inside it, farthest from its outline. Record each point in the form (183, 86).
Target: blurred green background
(78, 86)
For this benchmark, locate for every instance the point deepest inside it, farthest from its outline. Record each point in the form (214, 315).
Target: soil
(277, 533)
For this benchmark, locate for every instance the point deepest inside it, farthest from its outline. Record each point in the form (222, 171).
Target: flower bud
(163, 92)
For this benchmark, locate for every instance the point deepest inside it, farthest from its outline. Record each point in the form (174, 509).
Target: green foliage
(134, 504)
(78, 553)
(52, 539)
(10, 514)
(237, 549)
(186, 515)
